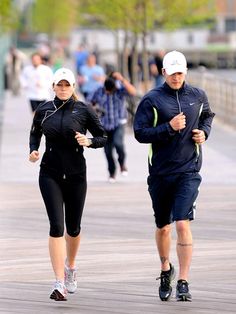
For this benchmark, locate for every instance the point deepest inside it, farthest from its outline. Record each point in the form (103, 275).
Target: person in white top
(36, 80)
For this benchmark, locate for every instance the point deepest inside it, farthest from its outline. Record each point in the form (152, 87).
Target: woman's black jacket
(59, 121)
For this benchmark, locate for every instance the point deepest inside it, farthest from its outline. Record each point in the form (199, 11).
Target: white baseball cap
(174, 62)
(64, 74)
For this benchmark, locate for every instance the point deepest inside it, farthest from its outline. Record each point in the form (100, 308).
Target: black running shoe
(182, 291)
(165, 288)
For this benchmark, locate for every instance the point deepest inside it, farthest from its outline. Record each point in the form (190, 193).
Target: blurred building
(226, 16)
(223, 33)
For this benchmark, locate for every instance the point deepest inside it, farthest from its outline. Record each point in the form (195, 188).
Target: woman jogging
(62, 178)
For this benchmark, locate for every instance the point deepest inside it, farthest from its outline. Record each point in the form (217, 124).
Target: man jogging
(175, 119)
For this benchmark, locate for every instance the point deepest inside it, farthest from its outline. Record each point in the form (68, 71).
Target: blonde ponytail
(75, 96)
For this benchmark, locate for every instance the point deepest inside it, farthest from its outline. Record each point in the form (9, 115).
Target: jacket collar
(169, 90)
(58, 102)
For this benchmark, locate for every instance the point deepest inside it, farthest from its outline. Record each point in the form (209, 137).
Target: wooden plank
(117, 260)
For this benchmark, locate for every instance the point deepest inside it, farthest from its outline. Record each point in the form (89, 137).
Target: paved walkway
(117, 262)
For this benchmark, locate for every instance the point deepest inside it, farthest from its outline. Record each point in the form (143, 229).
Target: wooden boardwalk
(117, 262)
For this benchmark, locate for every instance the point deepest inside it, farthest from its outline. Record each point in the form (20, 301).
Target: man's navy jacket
(172, 151)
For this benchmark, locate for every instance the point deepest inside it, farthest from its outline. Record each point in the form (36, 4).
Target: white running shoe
(59, 291)
(112, 179)
(70, 279)
(124, 171)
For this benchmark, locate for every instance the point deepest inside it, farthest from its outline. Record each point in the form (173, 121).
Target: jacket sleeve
(96, 129)
(147, 129)
(206, 116)
(35, 133)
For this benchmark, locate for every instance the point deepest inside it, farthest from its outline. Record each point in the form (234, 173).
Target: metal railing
(221, 94)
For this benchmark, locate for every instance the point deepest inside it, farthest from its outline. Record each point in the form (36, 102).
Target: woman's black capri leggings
(64, 200)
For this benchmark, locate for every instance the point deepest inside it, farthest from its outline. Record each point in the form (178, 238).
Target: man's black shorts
(173, 196)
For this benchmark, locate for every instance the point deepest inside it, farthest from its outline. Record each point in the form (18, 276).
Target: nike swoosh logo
(192, 103)
(74, 111)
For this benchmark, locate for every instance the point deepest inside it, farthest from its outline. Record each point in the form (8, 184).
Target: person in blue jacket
(175, 119)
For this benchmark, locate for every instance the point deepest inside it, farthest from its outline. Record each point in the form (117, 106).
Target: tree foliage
(8, 16)
(55, 17)
(135, 14)
(172, 14)
(117, 14)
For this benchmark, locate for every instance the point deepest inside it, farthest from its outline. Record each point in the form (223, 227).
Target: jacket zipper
(177, 97)
(62, 116)
(179, 105)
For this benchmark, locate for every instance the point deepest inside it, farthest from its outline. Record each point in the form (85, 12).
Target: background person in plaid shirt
(110, 101)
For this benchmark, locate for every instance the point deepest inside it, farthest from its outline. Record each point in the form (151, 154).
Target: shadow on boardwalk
(117, 262)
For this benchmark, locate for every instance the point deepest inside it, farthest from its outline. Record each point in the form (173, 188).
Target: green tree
(173, 14)
(139, 17)
(8, 16)
(54, 17)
